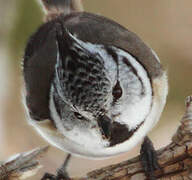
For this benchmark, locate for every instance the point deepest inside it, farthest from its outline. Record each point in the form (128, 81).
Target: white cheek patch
(135, 103)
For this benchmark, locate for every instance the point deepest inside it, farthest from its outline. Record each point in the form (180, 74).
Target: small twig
(23, 165)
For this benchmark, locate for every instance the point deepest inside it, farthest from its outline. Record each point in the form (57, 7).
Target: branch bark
(77, 5)
(175, 159)
(23, 165)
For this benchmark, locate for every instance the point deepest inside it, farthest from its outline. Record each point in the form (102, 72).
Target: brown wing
(38, 69)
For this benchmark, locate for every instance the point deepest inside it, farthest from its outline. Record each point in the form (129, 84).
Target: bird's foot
(61, 172)
(149, 159)
(48, 176)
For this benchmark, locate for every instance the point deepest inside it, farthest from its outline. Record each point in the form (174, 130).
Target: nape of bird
(92, 87)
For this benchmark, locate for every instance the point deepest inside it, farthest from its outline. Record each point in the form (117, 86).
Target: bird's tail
(54, 8)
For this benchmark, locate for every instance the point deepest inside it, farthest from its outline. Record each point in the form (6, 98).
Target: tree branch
(175, 159)
(23, 165)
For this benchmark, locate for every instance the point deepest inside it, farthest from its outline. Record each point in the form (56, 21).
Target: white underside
(50, 133)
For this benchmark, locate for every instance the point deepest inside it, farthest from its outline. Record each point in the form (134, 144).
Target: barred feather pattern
(82, 78)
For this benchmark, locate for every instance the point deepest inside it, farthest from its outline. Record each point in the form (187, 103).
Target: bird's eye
(117, 91)
(78, 116)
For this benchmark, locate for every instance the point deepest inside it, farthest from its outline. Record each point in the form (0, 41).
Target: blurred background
(164, 25)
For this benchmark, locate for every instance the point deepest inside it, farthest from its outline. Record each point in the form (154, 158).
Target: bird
(92, 88)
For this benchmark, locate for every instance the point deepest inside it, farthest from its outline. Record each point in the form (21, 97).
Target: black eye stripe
(105, 125)
(117, 91)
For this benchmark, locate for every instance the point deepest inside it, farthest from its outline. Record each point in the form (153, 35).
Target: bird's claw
(149, 159)
(48, 176)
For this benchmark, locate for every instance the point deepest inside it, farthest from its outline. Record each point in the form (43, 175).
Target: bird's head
(82, 88)
(94, 88)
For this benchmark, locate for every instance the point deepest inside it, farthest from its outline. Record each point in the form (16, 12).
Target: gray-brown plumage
(89, 28)
(93, 88)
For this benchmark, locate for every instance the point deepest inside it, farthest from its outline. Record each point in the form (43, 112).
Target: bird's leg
(61, 172)
(149, 158)
(48, 176)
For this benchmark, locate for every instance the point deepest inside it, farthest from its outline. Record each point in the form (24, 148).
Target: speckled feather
(81, 74)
